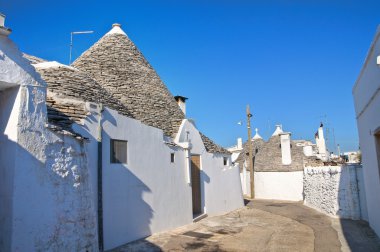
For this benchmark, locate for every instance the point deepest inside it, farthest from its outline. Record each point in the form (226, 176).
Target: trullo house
(99, 153)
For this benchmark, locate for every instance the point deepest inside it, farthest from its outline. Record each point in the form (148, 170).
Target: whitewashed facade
(49, 179)
(44, 184)
(366, 94)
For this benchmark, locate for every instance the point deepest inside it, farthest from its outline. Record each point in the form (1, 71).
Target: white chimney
(321, 143)
(3, 30)
(181, 100)
(285, 148)
(308, 150)
(2, 20)
(240, 143)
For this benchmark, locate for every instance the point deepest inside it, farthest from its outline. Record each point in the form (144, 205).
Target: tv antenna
(71, 40)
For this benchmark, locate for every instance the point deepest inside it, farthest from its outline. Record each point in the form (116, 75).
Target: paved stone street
(265, 226)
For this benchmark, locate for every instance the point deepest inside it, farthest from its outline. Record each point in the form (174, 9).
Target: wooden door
(196, 184)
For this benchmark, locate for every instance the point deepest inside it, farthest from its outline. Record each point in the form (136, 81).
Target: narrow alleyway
(264, 226)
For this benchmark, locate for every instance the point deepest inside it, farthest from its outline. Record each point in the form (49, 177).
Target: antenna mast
(71, 40)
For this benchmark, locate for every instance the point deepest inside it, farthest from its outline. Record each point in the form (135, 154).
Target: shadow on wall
(126, 215)
(205, 179)
(352, 205)
(7, 160)
(8, 134)
(51, 201)
(11, 51)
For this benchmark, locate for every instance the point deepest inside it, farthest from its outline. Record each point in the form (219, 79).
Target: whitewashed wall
(279, 185)
(220, 185)
(149, 194)
(51, 210)
(367, 105)
(334, 190)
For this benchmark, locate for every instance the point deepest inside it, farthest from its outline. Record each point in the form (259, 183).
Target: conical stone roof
(120, 68)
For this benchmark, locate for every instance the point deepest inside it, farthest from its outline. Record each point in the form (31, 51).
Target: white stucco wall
(368, 122)
(220, 185)
(362, 193)
(51, 209)
(149, 194)
(366, 94)
(279, 185)
(333, 190)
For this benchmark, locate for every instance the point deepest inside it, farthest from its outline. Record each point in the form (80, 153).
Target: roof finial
(278, 130)
(116, 29)
(257, 136)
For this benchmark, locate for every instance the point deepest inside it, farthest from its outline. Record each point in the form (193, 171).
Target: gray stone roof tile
(213, 147)
(120, 68)
(257, 144)
(114, 72)
(68, 90)
(269, 158)
(33, 59)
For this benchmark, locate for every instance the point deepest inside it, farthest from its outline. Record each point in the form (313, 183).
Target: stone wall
(334, 190)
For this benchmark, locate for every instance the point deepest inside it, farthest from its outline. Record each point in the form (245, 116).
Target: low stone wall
(334, 190)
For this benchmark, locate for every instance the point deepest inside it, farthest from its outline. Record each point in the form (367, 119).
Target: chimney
(285, 148)
(181, 100)
(240, 143)
(321, 143)
(4, 31)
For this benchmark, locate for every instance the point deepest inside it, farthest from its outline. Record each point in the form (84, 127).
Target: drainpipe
(100, 179)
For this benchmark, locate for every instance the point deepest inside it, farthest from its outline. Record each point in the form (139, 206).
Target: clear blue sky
(292, 61)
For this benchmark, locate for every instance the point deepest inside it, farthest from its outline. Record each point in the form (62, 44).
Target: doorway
(196, 184)
(377, 142)
(9, 115)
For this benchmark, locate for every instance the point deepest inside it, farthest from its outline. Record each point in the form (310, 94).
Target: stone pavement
(264, 226)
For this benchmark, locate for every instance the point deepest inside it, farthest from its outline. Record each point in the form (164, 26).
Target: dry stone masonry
(116, 63)
(115, 73)
(333, 190)
(269, 157)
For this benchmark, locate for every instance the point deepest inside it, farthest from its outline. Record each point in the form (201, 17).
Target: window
(172, 157)
(225, 160)
(118, 151)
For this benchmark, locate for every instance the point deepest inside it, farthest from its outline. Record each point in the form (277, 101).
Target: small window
(225, 160)
(172, 157)
(118, 151)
